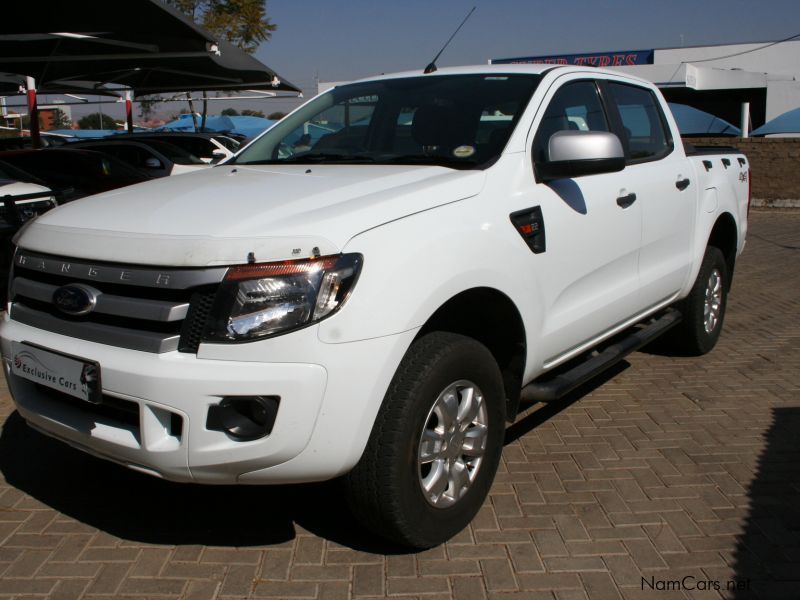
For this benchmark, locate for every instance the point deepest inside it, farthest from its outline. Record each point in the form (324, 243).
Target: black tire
(384, 489)
(697, 334)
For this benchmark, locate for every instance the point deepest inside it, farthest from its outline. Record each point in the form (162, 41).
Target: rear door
(658, 172)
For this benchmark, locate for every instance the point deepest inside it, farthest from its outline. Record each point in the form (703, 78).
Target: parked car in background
(208, 147)
(21, 143)
(154, 157)
(75, 172)
(22, 198)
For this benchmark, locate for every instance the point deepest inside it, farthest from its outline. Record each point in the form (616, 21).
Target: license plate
(69, 374)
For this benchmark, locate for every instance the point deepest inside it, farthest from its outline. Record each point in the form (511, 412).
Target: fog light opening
(175, 425)
(244, 418)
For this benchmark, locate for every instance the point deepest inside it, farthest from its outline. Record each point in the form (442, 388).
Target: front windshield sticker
(464, 151)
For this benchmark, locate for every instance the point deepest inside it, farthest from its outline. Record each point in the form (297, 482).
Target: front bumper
(155, 414)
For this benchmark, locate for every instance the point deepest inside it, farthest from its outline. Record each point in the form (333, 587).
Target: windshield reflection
(455, 121)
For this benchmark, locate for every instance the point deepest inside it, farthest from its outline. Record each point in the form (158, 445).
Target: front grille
(23, 211)
(141, 308)
(18, 208)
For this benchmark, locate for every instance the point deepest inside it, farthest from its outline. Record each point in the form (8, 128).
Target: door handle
(682, 184)
(626, 201)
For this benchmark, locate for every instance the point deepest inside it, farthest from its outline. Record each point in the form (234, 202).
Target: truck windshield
(456, 121)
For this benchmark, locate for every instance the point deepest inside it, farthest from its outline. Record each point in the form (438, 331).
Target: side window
(132, 156)
(576, 106)
(645, 135)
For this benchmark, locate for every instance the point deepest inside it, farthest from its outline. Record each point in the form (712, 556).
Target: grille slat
(146, 341)
(148, 309)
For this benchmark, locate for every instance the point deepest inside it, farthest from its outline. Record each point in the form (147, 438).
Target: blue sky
(348, 39)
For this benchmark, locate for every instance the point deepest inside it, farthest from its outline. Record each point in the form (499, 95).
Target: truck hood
(218, 216)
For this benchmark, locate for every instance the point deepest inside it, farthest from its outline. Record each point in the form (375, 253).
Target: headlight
(259, 300)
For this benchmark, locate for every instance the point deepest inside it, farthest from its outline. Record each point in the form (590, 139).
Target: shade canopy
(12, 84)
(788, 122)
(692, 121)
(245, 125)
(148, 46)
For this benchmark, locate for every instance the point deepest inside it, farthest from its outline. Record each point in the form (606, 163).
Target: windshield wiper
(349, 157)
(421, 159)
(314, 158)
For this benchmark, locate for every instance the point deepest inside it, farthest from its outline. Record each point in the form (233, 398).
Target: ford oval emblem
(75, 299)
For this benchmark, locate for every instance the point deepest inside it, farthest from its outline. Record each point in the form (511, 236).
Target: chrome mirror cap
(584, 145)
(578, 153)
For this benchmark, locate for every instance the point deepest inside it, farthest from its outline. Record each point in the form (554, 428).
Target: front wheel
(435, 445)
(704, 308)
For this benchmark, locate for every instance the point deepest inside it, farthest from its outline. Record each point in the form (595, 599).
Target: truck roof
(527, 68)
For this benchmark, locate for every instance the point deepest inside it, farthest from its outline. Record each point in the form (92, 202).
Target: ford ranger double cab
(369, 288)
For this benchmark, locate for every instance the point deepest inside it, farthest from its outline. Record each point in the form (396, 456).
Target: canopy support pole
(129, 110)
(745, 119)
(191, 110)
(33, 112)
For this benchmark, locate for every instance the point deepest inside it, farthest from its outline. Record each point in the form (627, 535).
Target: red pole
(33, 112)
(129, 111)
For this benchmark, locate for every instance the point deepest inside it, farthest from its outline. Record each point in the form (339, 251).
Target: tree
(60, 119)
(26, 121)
(147, 106)
(177, 115)
(244, 23)
(247, 112)
(276, 116)
(97, 121)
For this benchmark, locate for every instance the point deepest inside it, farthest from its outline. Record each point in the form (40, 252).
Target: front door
(588, 274)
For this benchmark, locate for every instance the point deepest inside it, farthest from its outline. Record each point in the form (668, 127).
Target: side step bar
(550, 389)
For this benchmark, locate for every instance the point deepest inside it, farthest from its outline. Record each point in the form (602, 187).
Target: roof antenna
(432, 66)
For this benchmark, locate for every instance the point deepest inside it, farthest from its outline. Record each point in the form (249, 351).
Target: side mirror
(153, 163)
(576, 153)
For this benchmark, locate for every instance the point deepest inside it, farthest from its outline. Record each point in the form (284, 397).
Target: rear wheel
(435, 445)
(704, 308)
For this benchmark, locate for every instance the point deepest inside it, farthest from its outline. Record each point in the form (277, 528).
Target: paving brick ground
(669, 473)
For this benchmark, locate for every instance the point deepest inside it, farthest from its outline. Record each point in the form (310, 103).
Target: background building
(764, 77)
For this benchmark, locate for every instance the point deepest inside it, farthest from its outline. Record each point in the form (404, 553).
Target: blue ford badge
(75, 299)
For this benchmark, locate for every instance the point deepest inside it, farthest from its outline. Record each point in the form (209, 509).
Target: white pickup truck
(369, 288)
